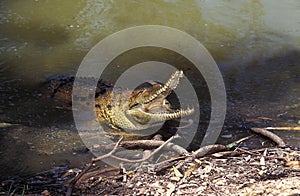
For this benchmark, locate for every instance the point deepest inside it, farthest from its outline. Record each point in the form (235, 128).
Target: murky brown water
(255, 44)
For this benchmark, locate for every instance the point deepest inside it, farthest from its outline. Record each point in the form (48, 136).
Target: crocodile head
(140, 109)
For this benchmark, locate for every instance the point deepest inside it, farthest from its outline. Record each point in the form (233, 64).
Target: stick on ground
(270, 135)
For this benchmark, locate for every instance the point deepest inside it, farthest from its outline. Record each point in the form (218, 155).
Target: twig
(208, 150)
(247, 151)
(243, 139)
(232, 144)
(191, 156)
(270, 135)
(257, 154)
(167, 163)
(110, 153)
(284, 128)
(77, 178)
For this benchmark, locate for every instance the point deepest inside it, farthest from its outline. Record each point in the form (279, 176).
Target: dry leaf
(262, 161)
(207, 169)
(175, 178)
(177, 172)
(188, 172)
(293, 164)
(171, 189)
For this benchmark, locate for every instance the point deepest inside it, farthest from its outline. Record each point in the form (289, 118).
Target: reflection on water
(255, 43)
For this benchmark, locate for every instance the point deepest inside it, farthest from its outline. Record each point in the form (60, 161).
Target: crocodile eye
(134, 106)
(109, 106)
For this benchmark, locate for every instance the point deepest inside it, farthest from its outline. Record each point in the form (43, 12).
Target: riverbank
(268, 171)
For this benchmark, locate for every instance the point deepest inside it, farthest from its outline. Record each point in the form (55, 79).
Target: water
(255, 44)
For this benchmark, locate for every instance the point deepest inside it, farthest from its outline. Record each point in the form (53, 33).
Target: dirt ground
(269, 171)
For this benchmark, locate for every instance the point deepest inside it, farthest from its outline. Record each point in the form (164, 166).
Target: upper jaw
(157, 91)
(150, 106)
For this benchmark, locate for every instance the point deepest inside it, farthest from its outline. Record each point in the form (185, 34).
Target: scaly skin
(139, 109)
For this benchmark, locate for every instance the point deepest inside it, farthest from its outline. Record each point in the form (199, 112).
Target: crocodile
(141, 108)
(61, 88)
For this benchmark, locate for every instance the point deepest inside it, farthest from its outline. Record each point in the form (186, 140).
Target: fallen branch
(144, 144)
(146, 157)
(270, 135)
(208, 150)
(189, 157)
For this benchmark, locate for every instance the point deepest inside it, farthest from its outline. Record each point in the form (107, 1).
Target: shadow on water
(264, 87)
(24, 96)
(267, 79)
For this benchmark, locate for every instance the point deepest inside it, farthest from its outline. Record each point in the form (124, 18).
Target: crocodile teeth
(173, 115)
(170, 84)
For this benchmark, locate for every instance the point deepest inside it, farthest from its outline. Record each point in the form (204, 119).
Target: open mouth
(151, 106)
